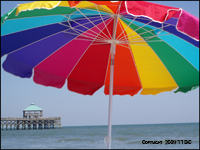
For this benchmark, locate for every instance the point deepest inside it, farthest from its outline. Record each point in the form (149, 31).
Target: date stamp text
(167, 142)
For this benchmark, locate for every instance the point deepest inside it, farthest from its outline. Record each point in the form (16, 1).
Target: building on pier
(32, 119)
(32, 111)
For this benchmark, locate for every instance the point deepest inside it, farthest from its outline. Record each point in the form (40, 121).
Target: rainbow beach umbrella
(129, 47)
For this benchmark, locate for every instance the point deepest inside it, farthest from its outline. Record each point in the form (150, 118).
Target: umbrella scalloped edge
(185, 19)
(37, 5)
(188, 24)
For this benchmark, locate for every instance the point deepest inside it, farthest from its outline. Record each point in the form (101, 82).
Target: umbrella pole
(113, 47)
(110, 101)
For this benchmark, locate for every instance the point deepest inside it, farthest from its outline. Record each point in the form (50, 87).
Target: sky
(80, 110)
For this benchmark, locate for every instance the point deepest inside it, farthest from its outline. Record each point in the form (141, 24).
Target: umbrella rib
(139, 44)
(99, 42)
(134, 41)
(77, 30)
(137, 28)
(87, 28)
(97, 38)
(149, 20)
(159, 23)
(88, 36)
(82, 19)
(150, 37)
(105, 16)
(136, 16)
(147, 38)
(77, 34)
(78, 25)
(125, 29)
(81, 30)
(104, 40)
(123, 37)
(105, 9)
(91, 22)
(125, 41)
(83, 55)
(103, 21)
(154, 35)
(123, 45)
(89, 33)
(167, 24)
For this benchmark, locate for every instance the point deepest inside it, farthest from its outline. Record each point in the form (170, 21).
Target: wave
(67, 140)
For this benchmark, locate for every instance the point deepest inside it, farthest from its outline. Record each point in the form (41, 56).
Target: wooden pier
(32, 119)
(31, 123)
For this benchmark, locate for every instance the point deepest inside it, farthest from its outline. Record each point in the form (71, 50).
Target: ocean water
(151, 136)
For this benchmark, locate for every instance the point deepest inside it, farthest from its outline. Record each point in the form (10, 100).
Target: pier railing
(31, 123)
(38, 118)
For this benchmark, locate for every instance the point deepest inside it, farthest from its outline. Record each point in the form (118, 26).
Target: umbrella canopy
(148, 47)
